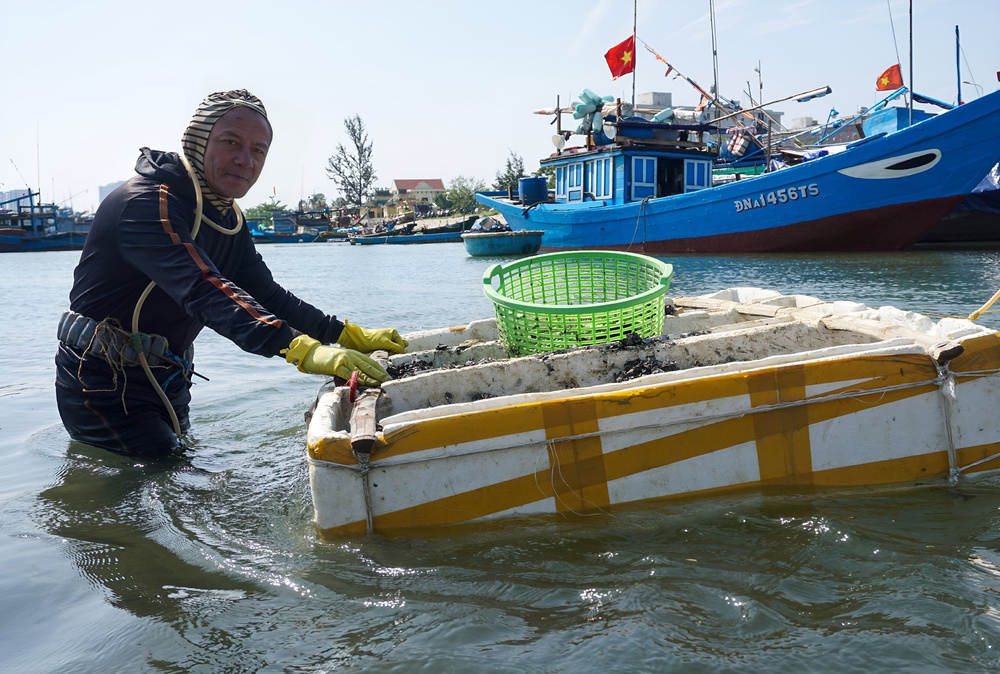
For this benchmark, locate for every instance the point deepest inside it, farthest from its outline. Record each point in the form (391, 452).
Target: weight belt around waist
(115, 345)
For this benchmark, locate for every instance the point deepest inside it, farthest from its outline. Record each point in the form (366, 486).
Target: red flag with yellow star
(621, 58)
(891, 79)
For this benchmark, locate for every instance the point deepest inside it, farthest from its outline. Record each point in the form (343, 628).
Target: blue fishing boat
(283, 228)
(647, 187)
(28, 225)
(974, 222)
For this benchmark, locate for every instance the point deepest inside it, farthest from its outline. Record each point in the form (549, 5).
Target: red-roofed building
(420, 191)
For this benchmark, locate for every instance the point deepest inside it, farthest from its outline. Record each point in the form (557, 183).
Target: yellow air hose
(199, 217)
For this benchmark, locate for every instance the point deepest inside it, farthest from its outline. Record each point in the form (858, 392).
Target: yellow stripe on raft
(576, 466)
(778, 421)
(480, 425)
(782, 434)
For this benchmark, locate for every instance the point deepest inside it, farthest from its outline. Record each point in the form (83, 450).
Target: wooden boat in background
(429, 230)
(746, 389)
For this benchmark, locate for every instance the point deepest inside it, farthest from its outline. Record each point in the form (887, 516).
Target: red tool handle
(353, 383)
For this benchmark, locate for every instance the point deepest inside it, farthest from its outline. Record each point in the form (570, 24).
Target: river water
(114, 566)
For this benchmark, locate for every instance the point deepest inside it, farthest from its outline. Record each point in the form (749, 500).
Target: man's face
(236, 151)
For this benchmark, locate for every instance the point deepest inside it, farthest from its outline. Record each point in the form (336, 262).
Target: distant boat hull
(55, 241)
(495, 244)
(15, 240)
(273, 237)
(975, 222)
(376, 239)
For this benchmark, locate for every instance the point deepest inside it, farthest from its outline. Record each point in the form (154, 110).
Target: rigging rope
(982, 310)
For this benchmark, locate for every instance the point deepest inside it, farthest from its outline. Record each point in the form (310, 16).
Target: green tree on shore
(461, 194)
(264, 210)
(512, 173)
(352, 171)
(315, 202)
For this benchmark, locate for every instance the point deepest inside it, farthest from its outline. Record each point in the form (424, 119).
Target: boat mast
(958, 68)
(38, 157)
(912, 88)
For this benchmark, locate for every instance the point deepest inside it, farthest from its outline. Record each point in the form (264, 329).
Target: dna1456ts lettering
(777, 197)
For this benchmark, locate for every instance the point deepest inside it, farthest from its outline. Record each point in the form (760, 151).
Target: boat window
(561, 183)
(595, 179)
(697, 175)
(590, 179)
(600, 186)
(575, 182)
(669, 176)
(643, 177)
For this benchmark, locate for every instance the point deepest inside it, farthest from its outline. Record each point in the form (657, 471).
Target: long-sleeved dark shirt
(142, 233)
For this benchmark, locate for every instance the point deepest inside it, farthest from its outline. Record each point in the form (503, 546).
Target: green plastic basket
(560, 300)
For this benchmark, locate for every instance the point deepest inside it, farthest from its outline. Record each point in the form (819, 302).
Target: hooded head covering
(195, 138)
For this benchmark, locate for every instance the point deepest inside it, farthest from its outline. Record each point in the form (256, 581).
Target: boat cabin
(644, 160)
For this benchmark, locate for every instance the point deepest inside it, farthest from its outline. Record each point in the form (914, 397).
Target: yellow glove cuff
(359, 339)
(299, 350)
(351, 337)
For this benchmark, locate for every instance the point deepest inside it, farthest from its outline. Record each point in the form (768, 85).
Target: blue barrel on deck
(533, 190)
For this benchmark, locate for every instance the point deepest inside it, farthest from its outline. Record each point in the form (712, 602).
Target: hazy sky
(446, 88)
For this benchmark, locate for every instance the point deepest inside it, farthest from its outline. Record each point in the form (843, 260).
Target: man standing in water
(168, 254)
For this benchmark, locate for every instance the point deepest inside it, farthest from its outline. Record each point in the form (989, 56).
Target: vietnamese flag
(621, 58)
(891, 79)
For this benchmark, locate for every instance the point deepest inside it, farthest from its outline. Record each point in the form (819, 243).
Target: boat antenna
(635, 11)
(760, 84)
(19, 173)
(70, 198)
(895, 44)
(715, 67)
(715, 49)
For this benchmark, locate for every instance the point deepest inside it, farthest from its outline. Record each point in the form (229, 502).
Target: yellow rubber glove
(314, 358)
(359, 339)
